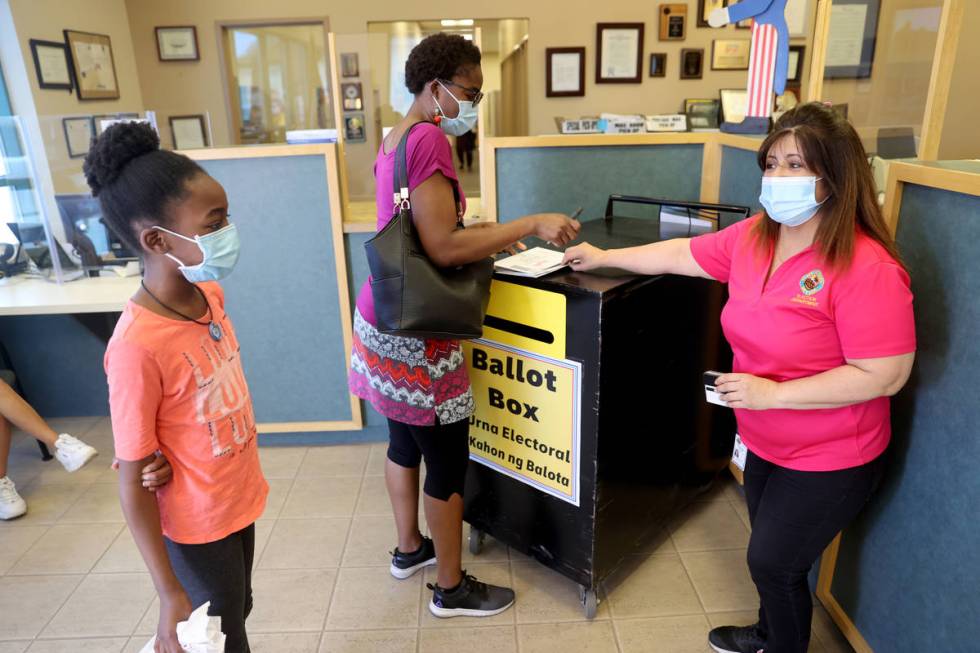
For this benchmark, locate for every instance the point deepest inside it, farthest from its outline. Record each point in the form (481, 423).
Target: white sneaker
(11, 504)
(72, 453)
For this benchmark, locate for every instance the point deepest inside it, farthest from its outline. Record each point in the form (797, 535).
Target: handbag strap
(400, 177)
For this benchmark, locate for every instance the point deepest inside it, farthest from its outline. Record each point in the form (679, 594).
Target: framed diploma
(565, 72)
(189, 132)
(658, 64)
(794, 65)
(730, 54)
(673, 22)
(93, 68)
(51, 64)
(78, 135)
(177, 43)
(692, 63)
(705, 7)
(851, 39)
(620, 53)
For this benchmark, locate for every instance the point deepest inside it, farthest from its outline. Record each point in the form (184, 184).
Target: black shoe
(404, 565)
(470, 598)
(733, 639)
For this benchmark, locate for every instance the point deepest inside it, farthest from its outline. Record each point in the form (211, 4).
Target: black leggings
(445, 447)
(794, 516)
(220, 572)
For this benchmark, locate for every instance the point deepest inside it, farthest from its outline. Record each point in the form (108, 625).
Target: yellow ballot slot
(527, 420)
(526, 318)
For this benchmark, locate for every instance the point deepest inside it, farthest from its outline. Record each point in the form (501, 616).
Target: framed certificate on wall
(619, 53)
(565, 72)
(730, 54)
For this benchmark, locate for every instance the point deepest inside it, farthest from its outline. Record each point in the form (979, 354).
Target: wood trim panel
(941, 78)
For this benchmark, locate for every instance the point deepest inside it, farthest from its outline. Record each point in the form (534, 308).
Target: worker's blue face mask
(219, 252)
(790, 200)
(464, 121)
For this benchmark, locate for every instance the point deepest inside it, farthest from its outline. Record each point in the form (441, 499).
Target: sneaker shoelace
(8, 491)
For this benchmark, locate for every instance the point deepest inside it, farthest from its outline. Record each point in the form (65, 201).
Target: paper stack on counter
(199, 634)
(535, 262)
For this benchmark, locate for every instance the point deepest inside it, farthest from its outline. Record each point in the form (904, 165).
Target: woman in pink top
(421, 386)
(820, 320)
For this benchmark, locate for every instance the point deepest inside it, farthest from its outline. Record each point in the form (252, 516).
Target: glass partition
(878, 67)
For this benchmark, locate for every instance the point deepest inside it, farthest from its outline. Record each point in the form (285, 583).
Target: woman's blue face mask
(790, 200)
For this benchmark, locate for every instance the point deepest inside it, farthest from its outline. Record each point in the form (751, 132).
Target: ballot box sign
(527, 420)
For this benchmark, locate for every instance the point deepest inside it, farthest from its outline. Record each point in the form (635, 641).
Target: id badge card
(739, 453)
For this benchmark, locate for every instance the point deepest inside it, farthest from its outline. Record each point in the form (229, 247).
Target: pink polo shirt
(807, 319)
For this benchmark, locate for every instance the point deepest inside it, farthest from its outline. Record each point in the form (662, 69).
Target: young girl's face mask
(219, 251)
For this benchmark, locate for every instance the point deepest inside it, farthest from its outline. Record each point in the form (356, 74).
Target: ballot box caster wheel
(477, 537)
(590, 601)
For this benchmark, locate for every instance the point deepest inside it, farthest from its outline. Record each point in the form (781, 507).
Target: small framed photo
(51, 65)
(744, 24)
(619, 52)
(177, 43)
(349, 65)
(354, 128)
(734, 104)
(565, 72)
(705, 7)
(794, 66)
(353, 99)
(189, 132)
(92, 65)
(658, 64)
(673, 22)
(730, 54)
(79, 132)
(692, 63)
(701, 114)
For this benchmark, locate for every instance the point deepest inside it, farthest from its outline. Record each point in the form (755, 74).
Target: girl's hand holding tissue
(174, 608)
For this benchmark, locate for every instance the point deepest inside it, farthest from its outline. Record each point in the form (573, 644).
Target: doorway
(277, 78)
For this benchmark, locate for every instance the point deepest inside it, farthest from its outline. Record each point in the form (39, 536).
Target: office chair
(9, 376)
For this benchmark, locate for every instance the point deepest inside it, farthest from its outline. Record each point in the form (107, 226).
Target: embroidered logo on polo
(812, 282)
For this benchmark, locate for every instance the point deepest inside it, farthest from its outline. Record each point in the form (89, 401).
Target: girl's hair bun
(114, 149)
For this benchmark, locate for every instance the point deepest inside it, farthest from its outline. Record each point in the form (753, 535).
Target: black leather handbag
(412, 296)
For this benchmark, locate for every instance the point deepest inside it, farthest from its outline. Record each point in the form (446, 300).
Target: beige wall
(45, 20)
(961, 134)
(196, 87)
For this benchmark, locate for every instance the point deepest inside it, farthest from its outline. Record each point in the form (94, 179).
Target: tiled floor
(72, 580)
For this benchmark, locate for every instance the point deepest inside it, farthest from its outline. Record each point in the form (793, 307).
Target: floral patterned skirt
(410, 380)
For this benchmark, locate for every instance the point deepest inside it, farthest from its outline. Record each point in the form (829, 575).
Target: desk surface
(28, 296)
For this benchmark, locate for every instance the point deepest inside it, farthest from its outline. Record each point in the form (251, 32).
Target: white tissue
(199, 634)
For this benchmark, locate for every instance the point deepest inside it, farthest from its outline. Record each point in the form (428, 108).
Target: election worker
(820, 320)
(422, 386)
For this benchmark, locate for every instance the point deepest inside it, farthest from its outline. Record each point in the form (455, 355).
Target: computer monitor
(34, 243)
(82, 214)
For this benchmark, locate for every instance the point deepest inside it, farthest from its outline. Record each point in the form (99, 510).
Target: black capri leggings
(445, 447)
(794, 516)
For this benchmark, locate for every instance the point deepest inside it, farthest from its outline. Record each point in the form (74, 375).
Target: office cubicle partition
(289, 296)
(903, 576)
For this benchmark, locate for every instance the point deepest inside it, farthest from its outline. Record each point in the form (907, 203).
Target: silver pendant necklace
(214, 329)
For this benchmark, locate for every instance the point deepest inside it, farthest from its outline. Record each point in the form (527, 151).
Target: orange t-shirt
(173, 388)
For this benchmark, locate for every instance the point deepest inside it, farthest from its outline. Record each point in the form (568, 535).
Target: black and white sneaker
(470, 598)
(734, 639)
(404, 565)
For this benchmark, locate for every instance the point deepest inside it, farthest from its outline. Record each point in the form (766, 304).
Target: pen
(577, 213)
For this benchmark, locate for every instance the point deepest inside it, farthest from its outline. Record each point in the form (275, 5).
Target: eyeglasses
(475, 94)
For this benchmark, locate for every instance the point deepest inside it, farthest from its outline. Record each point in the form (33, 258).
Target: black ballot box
(591, 426)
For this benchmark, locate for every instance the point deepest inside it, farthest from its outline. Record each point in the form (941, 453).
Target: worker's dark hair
(832, 149)
(135, 181)
(439, 56)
